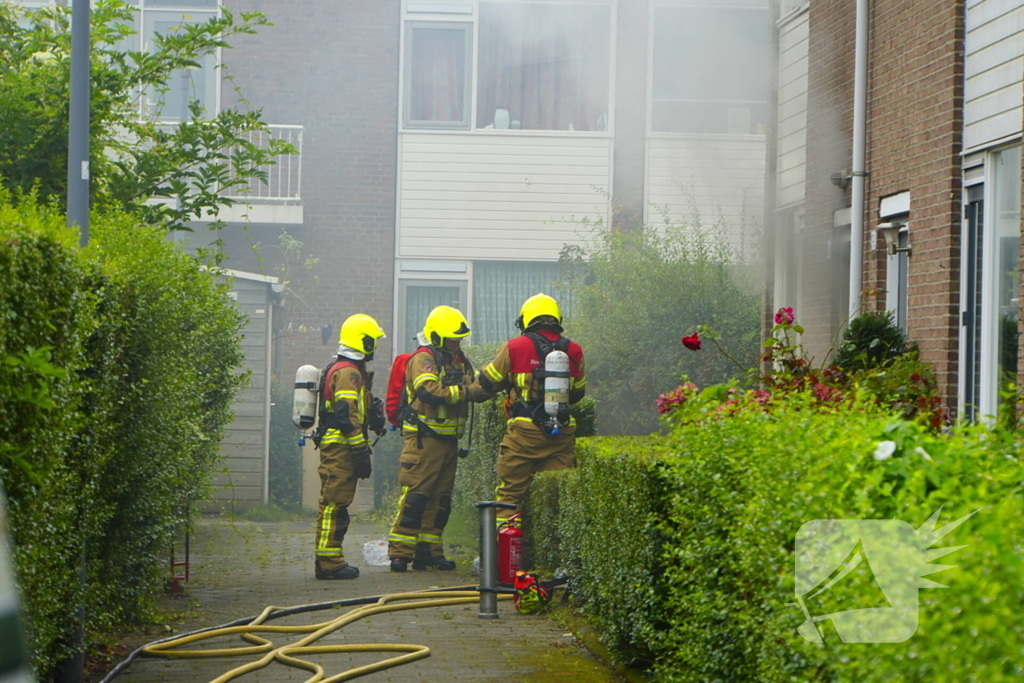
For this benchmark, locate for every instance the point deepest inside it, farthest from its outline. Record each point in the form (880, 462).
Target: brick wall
(915, 100)
(332, 66)
(915, 130)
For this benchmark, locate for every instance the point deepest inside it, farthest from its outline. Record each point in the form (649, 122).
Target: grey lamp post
(78, 125)
(72, 670)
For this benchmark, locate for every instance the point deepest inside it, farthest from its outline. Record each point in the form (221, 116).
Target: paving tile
(239, 567)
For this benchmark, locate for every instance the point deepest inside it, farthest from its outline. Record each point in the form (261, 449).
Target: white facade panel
(712, 175)
(792, 116)
(994, 66)
(498, 197)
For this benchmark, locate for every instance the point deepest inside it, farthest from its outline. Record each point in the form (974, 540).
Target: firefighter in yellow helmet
(437, 395)
(533, 442)
(348, 412)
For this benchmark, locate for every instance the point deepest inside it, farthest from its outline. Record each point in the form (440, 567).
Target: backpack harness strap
(408, 414)
(533, 407)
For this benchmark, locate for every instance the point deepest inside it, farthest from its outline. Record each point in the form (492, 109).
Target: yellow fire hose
(287, 654)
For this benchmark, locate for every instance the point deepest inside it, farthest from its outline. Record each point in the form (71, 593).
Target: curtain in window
(543, 67)
(499, 290)
(438, 71)
(419, 301)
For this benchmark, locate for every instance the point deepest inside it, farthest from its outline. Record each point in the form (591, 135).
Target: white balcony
(279, 199)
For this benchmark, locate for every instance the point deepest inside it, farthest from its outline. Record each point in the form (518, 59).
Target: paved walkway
(239, 567)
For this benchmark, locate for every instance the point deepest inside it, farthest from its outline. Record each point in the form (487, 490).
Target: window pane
(184, 85)
(711, 70)
(437, 74)
(1007, 235)
(973, 251)
(499, 290)
(543, 67)
(180, 3)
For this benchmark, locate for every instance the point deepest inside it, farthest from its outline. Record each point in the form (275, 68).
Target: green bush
(635, 293)
(871, 340)
(118, 370)
(698, 576)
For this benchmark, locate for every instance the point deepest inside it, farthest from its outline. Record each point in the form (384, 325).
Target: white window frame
(146, 14)
(467, 12)
(988, 402)
(426, 278)
(713, 4)
(141, 43)
(469, 88)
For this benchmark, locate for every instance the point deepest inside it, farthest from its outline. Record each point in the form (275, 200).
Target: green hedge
(682, 546)
(117, 370)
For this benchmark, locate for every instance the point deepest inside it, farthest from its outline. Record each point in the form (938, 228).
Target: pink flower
(784, 316)
(670, 401)
(692, 342)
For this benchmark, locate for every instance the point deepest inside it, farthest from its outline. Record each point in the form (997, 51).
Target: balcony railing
(284, 176)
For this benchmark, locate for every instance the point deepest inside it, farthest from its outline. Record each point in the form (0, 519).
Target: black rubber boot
(440, 563)
(341, 573)
(399, 564)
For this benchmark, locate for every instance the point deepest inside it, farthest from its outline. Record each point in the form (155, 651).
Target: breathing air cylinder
(510, 549)
(556, 385)
(307, 383)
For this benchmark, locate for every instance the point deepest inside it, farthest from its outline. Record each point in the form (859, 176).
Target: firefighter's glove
(377, 420)
(361, 466)
(452, 378)
(563, 414)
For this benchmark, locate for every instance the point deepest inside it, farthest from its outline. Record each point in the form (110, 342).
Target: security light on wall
(891, 233)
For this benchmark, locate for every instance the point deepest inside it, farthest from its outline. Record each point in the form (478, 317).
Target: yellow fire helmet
(535, 307)
(361, 332)
(445, 322)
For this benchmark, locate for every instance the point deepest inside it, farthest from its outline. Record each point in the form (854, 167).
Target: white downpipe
(860, 107)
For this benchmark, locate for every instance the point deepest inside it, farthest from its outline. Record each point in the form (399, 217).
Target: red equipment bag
(395, 400)
(394, 404)
(531, 595)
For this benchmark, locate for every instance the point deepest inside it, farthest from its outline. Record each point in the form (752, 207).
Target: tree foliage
(634, 293)
(136, 157)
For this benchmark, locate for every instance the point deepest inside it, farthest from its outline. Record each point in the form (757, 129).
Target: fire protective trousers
(337, 489)
(524, 451)
(427, 478)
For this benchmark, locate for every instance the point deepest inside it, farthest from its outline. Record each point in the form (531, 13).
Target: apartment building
(522, 120)
(940, 243)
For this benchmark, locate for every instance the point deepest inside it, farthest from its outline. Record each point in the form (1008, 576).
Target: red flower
(784, 316)
(692, 342)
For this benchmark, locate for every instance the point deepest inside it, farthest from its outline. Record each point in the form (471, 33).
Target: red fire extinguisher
(510, 548)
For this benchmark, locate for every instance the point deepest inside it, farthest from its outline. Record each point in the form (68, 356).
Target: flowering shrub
(902, 382)
(671, 400)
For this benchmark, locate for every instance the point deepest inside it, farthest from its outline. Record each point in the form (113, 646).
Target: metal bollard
(489, 558)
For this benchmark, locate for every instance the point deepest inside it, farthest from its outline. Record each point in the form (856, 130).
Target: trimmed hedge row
(117, 370)
(682, 546)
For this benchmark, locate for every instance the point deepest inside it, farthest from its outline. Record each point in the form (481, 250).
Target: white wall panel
(792, 133)
(994, 68)
(709, 174)
(494, 196)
